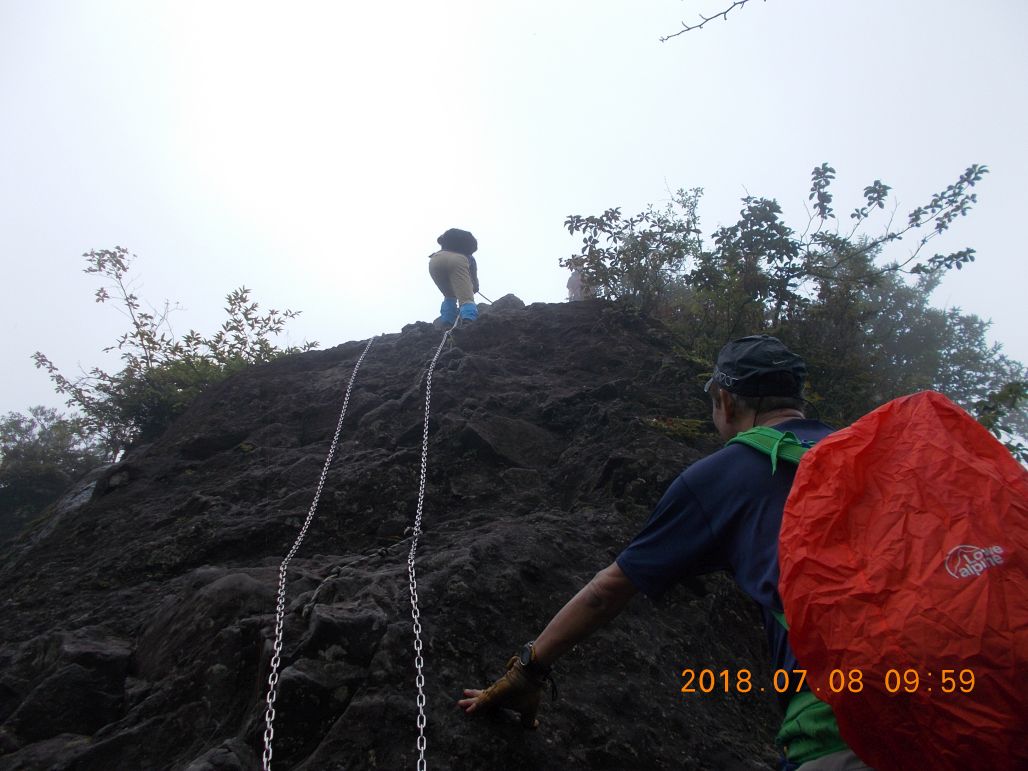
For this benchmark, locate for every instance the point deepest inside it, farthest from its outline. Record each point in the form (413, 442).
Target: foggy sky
(313, 151)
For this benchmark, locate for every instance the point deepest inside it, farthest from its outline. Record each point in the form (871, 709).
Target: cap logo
(722, 379)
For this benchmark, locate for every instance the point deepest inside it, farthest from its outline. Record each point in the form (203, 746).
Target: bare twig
(722, 15)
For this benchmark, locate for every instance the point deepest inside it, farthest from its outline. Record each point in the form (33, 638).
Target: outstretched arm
(603, 598)
(599, 601)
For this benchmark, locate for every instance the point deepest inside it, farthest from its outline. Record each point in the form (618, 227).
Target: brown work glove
(517, 690)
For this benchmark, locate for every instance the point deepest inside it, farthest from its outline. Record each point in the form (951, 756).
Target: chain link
(280, 607)
(419, 662)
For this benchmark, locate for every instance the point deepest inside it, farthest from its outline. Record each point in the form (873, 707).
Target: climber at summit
(455, 272)
(723, 512)
(578, 286)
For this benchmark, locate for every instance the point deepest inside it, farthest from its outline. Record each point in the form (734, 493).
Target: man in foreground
(722, 513)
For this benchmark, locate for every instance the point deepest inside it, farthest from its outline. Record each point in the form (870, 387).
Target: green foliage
(639, 259)
(1002, 412)
(865, 325)
(41, 453)
(679, 428)
(161, 374)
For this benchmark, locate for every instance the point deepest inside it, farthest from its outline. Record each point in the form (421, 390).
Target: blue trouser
(448, 310)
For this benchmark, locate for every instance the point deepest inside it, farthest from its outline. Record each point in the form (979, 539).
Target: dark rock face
(137, 628)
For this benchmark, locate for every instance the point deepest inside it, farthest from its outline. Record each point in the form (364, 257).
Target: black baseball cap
(759, 365)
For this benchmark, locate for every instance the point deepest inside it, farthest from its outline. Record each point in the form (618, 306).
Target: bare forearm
(521, 687)
(597, 603)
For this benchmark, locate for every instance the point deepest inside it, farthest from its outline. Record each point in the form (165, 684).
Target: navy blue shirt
(723, 513)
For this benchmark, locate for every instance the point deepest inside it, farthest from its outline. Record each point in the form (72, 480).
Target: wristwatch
(531, 664)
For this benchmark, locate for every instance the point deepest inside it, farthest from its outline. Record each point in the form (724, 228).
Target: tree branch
(722, 15)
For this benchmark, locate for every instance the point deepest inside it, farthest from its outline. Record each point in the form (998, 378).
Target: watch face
(526, 655)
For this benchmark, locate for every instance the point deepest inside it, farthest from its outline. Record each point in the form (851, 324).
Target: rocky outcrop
(137, 625)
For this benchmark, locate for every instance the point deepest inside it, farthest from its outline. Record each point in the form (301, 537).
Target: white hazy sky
(314, 150)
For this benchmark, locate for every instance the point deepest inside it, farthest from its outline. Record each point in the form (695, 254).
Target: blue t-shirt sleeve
(677, 541)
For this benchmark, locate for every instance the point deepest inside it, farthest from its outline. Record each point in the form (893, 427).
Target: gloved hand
(518, 690)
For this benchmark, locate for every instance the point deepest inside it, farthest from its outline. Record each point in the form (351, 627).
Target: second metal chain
(419, 661)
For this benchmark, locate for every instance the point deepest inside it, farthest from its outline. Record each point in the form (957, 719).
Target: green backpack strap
(776, 444)
(773, 442)
(809, 729)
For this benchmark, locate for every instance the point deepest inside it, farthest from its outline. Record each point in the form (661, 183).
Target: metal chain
(419, 661)
(276, 659)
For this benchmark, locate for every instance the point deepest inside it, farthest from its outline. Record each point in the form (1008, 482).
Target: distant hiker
(578, 289)
(721, 513)
(455, 272)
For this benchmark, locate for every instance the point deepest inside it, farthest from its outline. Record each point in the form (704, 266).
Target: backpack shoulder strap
(774, 443)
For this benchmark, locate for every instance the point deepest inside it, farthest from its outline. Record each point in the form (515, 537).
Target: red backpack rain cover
(904, 564)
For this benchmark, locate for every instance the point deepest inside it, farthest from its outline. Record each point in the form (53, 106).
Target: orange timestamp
(894, 681)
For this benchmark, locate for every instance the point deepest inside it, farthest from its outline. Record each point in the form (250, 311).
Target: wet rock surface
(137, 628)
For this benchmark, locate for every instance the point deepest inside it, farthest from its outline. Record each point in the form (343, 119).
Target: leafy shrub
(161, 374)
(864, 325)
(41, 453)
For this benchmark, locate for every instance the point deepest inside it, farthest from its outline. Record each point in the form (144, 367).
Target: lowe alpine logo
(968, 561)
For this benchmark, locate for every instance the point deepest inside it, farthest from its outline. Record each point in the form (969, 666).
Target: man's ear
(728, 405)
